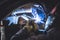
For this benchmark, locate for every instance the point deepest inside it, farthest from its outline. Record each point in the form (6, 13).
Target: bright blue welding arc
(39, 14)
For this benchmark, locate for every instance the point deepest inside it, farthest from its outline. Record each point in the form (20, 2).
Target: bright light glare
(38, 18)
(13, 19)
(22, 11)
(48, 22)
(36, 5)
(24, 17)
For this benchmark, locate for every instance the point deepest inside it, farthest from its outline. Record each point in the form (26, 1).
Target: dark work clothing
(11, 30)
(21, 35)
(54, 34)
